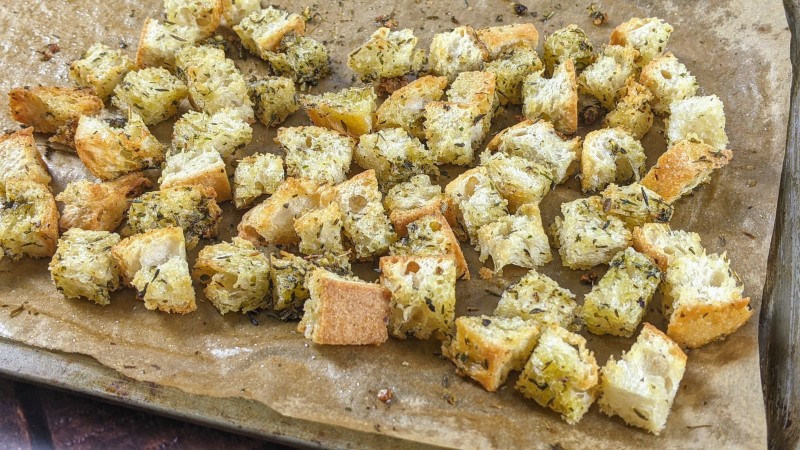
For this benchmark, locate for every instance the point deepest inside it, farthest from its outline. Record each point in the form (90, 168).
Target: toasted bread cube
(619, 301)
(698, 119)
(586, 236)
(703, 299)
(554, 99)
(501, 39)
(261, 32)
(109, 150)
(48, 108)
(405, 108)
(19, 158)
(152, 93)
(224, 132)
(83, 266)
(289, 293)
(236, 276)
(415, 198)
(431, 235)
(154, 263)
(272, 221)
(274, 99)
(387, 54)
(99, 206)
(197, 168)
(517, 179)
(635, 204)
(342, 311)
(477, 200)
(394, 155)
(320, 231)
(649, 36)
(641, 386)
(633, 112)
(234, 11)
(101, 68)
(349, 111)
(453, 131)
(28, 219)
(315, 153)
(661, 243)
(488, 348)
(365, 220)
(255, 176)
(610, 155)
(510, 70)
(519, 240)
(423, 295)
(215, 84)
(606, 77)
(538, 297)
(669, 81)
(683, 167)
(561, 374)
(301, 58)
(539, 142)
(477, 89)
(191, 208)
(458, 50)
(158, 43)
(204, 15)
(568, 43)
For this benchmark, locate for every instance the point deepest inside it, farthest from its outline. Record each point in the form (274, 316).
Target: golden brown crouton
(99, 206)
(152, 93)
(101, 69)
(19, 158)
(28, 219)
(568, 43)
(395, 156)
(350, 111)
(649, 36)
(633, 112)
(261, 32)
(498, 40)
(661, 243)
(405, 108)
(159, 42)
(431, 235)
(197, 168)
(47, 108)
(256, 175)
(83, 265)
(316, 153)
(510, 70)
(272, 221)
(274, 99)
(387, 54)
(301, 58)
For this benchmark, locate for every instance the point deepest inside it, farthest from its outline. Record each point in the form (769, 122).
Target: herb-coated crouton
(387, 54)
(618, 302)
(458, 50)
(234, 11)
(197, 168)
(477, 201)
(272, 221)
(341, 311)
(488, 348)
(423, 295)
(554, 99)
(453, 131)
(152, 93)
(99, 206)
(417, 198)
(83, 266)
(633, 112)
(641, 386)
(274, 99)
(668, 80)
(510, 70)
(255, 176)
(698, 119)
(261, 32)
(48, 108)
(315, 153)
(101, 68)
(159, 42)
(538, 297)
(519, 240)
(517, 179)
(300, 58)
(561, 374)
(350, 111)
(204, 15)
(288, 273)
(154, 263)
(477, 89)
(661, 243)
(19, 158)
(236, 276)
(431, 235)
(224, 132)
(28, 219)
(610, 155)
(394, 155)
(405, 108)
(320, 231)
(500, 39)
(568, 43)
(649, 36)
(605, 78)
(635, 204)
(683, 167)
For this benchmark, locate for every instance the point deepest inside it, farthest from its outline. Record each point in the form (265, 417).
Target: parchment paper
(737, 49)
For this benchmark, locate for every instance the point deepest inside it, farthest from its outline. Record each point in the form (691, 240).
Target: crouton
(633, 112)
(517, 179)
(191, 208)
(587, 237)
(431, 235)
(453, 131)
(683, 167)
(635, 204)
(488, 348)
(274, 99)
(320, 231)
(649, 36)
(204, 15)
(568, 43)
(661, 243)
(538, 297)
(561, 374)
(214, 82)
(83, 266)
(703, 299)
(159, 42)
(519, 240)
(641, 386)
(301, 58)
(405, 108)
(261, 32)
(610, 155)
(152, 93)
(255, 176)
(350, 111)
(99, 206)
(154, 263)
(477, 200)
(539, 143)
(47, 108)
(698, 119)
(315, 153)
(477, 89)
(458, 50)
(617, 304)
(423, 295)
(289, 293)
(197, 168)
(415, 198)
(500, 39)
(19, 158)
(387, 54)
(101, 68)
(112, 148)
(341, 311)
(272, 221)
(668, 80)
(605, 78)
(236, 276)
(394, 155)
(28, 219)
(234, 11)
(554, 99)
(365, 221)
(224, 132)
(510, 70)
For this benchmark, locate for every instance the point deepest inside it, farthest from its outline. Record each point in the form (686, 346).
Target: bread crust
(47, 108)
(99, 206)
(501, 38)
(683, 167)
(695, 325)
